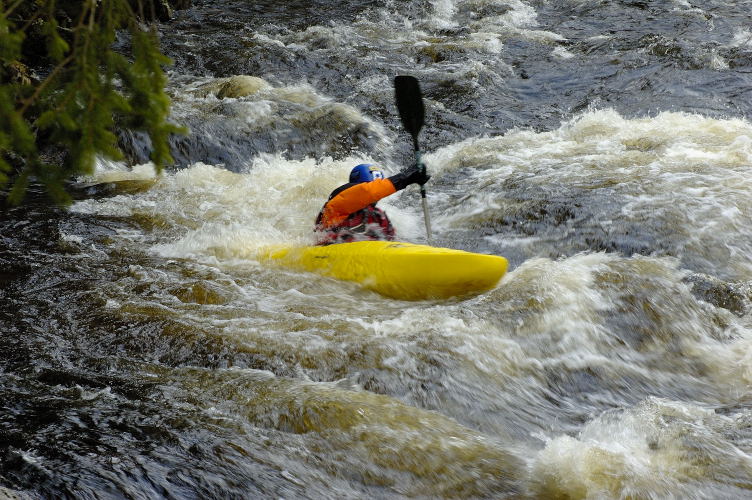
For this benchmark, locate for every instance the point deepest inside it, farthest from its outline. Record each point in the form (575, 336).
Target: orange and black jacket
(351, 213)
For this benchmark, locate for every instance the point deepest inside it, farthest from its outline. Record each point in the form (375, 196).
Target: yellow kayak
(398, 270)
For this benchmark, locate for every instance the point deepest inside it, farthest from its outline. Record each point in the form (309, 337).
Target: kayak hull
(399, 270)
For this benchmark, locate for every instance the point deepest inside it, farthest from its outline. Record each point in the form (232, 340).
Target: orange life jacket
(351, 214)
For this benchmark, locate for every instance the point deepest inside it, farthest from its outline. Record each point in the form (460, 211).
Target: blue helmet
(365, 172)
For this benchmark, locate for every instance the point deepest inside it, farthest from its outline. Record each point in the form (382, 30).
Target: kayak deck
(399, 270)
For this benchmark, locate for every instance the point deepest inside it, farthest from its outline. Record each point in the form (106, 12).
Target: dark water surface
(603, 147)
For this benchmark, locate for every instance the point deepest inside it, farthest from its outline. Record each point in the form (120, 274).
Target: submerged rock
(241, 86)
(235, 86)
(112, 188)
(734, 296)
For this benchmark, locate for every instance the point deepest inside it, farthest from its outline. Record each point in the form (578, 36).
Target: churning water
(603, 147)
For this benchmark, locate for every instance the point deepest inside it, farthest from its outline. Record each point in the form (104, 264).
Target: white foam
(648, 451)
(562, 53)
(742, 39)
(213, 212)
(457, 33)
(686, 168)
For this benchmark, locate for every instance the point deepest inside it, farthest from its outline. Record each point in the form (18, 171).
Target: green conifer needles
(87, 89)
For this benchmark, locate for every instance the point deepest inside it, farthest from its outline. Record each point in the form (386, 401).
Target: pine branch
(13, 7)
(81, 83)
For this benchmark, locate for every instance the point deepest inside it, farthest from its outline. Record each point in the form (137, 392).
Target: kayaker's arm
(359, 196)
(412, 175)
(355, 198)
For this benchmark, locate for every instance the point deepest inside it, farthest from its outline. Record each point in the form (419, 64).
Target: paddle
(411, 110)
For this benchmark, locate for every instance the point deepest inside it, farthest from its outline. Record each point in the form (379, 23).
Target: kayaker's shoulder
(342, 188)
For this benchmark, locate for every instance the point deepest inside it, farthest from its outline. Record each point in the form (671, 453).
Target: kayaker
(351, 213)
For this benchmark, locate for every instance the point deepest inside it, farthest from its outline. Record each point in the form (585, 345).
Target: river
(603, 147)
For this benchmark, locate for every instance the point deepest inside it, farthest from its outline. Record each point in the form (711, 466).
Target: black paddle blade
(409, 104)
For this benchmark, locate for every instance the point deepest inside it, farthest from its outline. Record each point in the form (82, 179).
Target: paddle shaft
(426, 217)
(411, 110)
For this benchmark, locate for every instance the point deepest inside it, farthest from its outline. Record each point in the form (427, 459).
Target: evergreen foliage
(87, 89)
